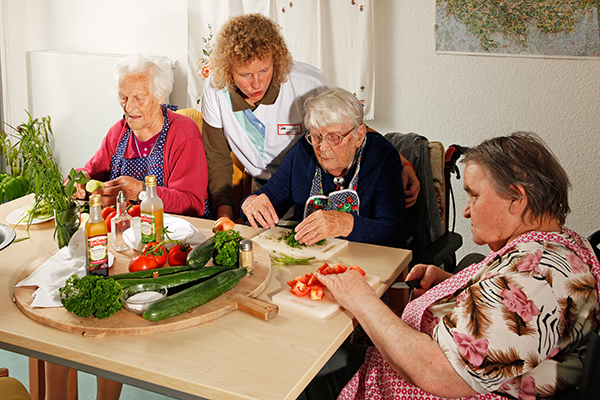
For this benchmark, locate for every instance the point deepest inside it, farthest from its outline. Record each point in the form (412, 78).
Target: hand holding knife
(413, 284)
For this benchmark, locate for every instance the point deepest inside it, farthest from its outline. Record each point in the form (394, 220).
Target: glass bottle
(96, 239)
(151, 213)
(246, 258)
(120, 223)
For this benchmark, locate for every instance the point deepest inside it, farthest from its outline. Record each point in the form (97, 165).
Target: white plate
(7, 235)
(17, 217)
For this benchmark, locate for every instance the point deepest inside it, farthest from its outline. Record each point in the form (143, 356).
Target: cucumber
(148, 273)
(176, 279)
(200, 255)
(195, 296)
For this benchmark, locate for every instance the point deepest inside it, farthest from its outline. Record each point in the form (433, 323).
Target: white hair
(157, 67)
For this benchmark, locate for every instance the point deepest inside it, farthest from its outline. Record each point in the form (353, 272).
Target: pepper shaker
(247, 256)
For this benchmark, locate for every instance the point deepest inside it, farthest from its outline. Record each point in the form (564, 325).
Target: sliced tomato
(134, 210)
(300, 289)
(322, 267)
(156, 250)
(142, 262)
(316, 292)
(106, 211)
(339, 268)
(178, 254)
(357, 268)
(109, 218)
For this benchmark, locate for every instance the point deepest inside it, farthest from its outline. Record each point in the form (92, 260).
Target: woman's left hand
(131, 187)
(322, 225)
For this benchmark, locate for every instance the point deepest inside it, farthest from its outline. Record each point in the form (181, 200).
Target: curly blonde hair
(245, 38)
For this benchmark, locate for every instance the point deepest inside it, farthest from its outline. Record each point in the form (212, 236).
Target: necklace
(135, 140)
(338, 181)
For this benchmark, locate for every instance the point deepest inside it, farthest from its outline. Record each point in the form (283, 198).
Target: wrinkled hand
(323, 225)
(131, 187)
(430, 276)
(260, 210)
(80, 192)
(411, 184)
(349, 288)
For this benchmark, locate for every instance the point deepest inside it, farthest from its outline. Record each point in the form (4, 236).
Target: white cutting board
(270, 240)
(319, 308)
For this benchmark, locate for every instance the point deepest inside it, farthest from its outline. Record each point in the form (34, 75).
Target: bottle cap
(121, 197)
(151, 180)
(246, 245)
(95, 200)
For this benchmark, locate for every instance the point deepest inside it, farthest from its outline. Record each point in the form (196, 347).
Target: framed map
(544, 28)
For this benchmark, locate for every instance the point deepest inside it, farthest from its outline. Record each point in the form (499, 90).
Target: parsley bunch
(91, 295)
(227, 247)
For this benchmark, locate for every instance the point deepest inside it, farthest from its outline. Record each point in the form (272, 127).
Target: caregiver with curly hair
(515, 325)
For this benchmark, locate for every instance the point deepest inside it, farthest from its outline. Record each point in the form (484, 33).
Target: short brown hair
(523, 159)
(245, 38)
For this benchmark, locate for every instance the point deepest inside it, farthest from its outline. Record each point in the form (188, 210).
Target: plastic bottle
(96, 239)
(120, 223)
(246, 258)
(151, 213)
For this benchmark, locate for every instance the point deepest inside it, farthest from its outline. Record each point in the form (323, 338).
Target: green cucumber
(176, 279)
(200, 255)
(148, 273)
(194, 296)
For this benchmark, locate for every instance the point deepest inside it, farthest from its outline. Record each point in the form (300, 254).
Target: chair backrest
(589, 385)
(594, 240)
(242, 181)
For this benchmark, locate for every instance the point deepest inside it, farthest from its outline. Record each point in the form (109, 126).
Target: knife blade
(413, 284)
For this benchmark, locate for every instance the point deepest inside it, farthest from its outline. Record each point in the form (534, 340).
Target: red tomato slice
(106, 211)
(156, 250)
(339, 268)
(141, 262)
(357, 268)
(300, 289)
(178, 254)
(316, 293)
(322, 267)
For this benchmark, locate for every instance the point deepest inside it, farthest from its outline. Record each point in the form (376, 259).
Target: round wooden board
(127, 323)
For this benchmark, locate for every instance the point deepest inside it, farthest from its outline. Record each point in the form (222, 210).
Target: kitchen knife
(414, 284)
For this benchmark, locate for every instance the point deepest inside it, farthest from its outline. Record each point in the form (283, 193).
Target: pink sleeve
(186, 176)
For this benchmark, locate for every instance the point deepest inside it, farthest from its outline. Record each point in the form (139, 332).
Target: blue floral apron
(345, 200)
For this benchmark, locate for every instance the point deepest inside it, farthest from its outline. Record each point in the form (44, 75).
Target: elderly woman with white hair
(151, 139)
(341, 180)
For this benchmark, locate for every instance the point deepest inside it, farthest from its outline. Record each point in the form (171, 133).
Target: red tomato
(357, 268)
(309, 283)
(141, 262)
(178, 254)
(109, 218)
(134, 210)
(106, 211)
(339, 268)
(156, 250)
(300, 289)
(316, 292)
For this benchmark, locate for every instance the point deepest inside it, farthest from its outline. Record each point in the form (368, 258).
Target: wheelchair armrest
(439, 251)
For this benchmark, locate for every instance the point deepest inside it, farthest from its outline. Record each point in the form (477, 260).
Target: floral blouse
(517, 327)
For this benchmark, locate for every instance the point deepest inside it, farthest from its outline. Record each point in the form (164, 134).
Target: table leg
(37, 388)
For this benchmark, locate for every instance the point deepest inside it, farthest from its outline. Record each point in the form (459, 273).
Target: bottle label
(97, 247)
(148, 222)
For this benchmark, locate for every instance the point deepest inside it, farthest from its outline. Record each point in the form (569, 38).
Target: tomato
(357, 268)
(316, 292)
(142, 262)
(300, 289)
(309, 283)
(109, 218)
(178, 254)
(156, 250)
(134, 210)
(106, 211)
(339, 268)
(322, 267)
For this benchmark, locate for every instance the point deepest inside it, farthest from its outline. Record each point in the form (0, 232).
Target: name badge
(289, 129)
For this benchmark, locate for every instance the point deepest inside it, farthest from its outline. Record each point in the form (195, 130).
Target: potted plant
(32, 154)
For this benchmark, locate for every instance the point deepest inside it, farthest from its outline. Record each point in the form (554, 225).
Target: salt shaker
(247, 256)
(120, 223)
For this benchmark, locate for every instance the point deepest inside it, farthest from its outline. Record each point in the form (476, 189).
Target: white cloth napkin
(52, 274)
(178, 229)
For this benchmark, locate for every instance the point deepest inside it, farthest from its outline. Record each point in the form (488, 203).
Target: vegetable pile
(91, 295)
(227, 246)
(304, 284)
(288, 238)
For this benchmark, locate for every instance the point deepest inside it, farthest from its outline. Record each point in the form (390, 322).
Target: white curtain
(335, 36)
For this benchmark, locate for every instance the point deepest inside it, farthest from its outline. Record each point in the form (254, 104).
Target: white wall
(453, 99)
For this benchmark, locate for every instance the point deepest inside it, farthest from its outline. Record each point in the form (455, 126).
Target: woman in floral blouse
(515, 325)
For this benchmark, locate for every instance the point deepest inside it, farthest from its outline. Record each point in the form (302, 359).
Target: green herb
(288, 238)
(91, 295)
(283, 259)
(227, 247)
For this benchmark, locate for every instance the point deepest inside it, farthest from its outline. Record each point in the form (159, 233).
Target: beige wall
(453, 99)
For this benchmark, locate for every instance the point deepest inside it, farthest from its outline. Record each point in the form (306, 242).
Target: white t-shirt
(261, 139)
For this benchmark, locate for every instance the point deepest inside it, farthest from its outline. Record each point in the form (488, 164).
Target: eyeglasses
(333, 139)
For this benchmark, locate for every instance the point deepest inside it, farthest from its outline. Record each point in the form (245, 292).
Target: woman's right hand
(259, 210)
(430, 275)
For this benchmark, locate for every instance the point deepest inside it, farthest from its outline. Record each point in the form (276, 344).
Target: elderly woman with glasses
(341, 180)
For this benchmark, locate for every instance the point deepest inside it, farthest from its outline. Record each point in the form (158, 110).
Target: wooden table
(234, 357)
